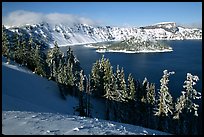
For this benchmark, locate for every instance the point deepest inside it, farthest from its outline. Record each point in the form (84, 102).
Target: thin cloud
(22, 17)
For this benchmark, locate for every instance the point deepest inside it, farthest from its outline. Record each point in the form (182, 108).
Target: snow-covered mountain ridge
(82, 33)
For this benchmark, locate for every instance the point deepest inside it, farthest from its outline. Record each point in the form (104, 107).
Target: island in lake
(135, 45)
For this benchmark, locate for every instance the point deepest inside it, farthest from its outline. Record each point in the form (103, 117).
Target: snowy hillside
(24, 91)
(32, 105)
(82, 33)
(29, 123)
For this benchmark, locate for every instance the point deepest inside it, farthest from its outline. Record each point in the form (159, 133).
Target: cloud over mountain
(22, 17)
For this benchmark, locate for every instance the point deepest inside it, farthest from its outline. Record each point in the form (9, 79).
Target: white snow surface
(32, 105)
(30, 123)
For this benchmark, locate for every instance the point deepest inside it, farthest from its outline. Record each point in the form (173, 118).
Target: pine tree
(97, 77)
(108, 85)
(60, 73)
(70, 56)
(88, 95)
(18, 49)
(185, 105)
(151, 94)
(108, 73)
(143, 103)
(81, 91)
(131, 87)
(144, 87)
(150, 104)
(120, 95)
(70, 75)
(5, 45)
(53, 58)
(121, 85)
(14, 45)
(39, 66)
(165, 104)
(24, 53)
(30, 54)
(76, 68)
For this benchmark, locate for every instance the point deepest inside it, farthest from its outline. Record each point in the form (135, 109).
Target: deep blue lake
(186, 57)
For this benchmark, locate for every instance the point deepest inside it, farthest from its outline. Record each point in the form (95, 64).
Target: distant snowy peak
(162, 25)
(83, 33)
(166, 24)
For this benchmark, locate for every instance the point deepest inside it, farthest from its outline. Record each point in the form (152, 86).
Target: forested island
(136, 45)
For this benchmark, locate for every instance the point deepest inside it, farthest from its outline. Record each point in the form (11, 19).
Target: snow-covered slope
(32, 105)
(29, 123)
(22, 90)
(82, 33)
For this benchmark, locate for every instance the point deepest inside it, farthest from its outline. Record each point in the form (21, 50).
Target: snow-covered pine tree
(131, 87)
(142, 103)
(14, 45)
(165, 104)
(30, 54)
(108, 73)
(117, 76)
(18, 49)
(97, 75)
(185, 107)
(108, 86)
(130, 106)
(39, 66)
(88, 96)
(145, 86)
(70, 55)
(81, 91)
(151, 94)
(121, 85)
(95, 78)
(53, 57)
(70, 74)
(24, 52)
(60, 73)
(185, 101)
(76, 68)
(5, 45)
(150, 104)
(120, 95)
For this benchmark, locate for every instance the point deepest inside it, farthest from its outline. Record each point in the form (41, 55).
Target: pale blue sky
(117, 13)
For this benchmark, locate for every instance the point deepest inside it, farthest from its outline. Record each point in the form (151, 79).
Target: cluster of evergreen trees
(130, 101)
(24, 51)
(126, 99)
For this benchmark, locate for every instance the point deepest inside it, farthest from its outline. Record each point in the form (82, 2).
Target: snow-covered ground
(24, 91)
(28, 123)
(32, 105)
